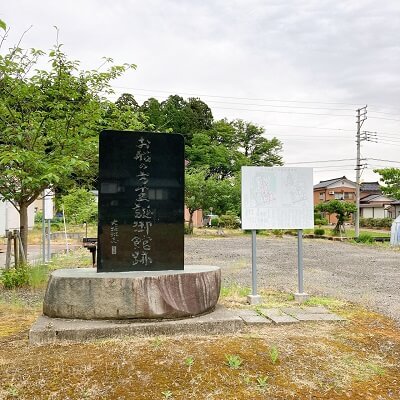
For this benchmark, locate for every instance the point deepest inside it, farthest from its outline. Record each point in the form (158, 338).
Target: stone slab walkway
(221, 321)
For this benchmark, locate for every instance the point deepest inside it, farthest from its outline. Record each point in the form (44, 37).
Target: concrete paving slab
(318, 317)
(277, 316)
(53, 330)
(250, 317)
(305, 310)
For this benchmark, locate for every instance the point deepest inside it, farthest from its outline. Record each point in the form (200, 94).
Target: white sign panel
(48, 204)
(277, 198)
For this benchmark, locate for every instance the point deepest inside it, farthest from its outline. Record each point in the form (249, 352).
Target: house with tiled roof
(373, 204)
(334, 189)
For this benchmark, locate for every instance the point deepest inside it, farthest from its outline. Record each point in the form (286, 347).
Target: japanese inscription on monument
(141, 201)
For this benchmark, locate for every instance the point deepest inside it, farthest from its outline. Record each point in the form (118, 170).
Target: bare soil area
(366, 275)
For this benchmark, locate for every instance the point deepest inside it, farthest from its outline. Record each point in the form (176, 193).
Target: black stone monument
(141, 201)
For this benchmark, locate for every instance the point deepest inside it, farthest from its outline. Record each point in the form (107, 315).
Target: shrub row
(376, 222)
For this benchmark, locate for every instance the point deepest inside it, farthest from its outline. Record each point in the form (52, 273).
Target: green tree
(391, 178)
(79, 206)
(342, 209)
(197, 193)
(228, 146)
(49, 123)
(257, 150)
(127, 101)
(175, 114)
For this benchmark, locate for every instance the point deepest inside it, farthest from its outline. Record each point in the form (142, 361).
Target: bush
(215, 222)
(320, 221)
(319, 232)
(229, 220)
(376, 222)
(364, 238)
(15, 277)
(186, 230)
(277, 232)
(38, 217)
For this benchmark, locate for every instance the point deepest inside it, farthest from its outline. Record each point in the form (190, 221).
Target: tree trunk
(191, 222)
(23, 226)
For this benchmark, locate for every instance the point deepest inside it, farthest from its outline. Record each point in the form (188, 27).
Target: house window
(338, 196)
(349, 196)
(322, 195)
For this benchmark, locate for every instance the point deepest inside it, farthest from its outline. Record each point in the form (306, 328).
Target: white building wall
(9, 217)
(367, 213)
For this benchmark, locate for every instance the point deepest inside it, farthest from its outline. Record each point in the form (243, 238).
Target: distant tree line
(215, 150)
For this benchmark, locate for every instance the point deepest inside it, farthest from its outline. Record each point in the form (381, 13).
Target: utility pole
(361, 117)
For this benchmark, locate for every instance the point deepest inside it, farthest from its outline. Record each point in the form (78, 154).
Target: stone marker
(82, 293)
(140, 271)
(141, 201)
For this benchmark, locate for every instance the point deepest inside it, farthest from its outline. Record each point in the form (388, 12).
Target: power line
(320, 161)
(234, 97)
(276, 105)
(383, 118)
(379, 159)
(283, 112)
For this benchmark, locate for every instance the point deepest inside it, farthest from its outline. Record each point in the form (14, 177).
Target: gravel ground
(358, 273)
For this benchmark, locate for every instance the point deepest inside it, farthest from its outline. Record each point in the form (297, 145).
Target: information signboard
(277, 198)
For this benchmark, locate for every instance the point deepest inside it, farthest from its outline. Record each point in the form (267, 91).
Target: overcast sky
(298, 68)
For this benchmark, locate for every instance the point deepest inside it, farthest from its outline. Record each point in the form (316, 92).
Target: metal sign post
(277, 198)
(254, 298)
(300, 260)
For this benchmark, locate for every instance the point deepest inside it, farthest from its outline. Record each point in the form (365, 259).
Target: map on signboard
(277, 198)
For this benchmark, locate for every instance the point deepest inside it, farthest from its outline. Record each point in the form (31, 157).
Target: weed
(189, 361)
(12, 391)
(167, 394)
(246, 379)
(376, 369)
(324, 301)
(38, 276)
(364, 238)
(262, 381)
(233, 361)
(15, 277)
(157, 342)
(274, 354)
(235, 290)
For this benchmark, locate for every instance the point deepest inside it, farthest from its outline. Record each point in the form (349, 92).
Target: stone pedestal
(82, 293)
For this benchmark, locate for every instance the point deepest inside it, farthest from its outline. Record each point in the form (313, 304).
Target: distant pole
(43, 230)
(361, 117)
(65, 230)
(48, 240)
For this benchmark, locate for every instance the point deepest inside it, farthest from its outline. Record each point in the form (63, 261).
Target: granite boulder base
(83, 293)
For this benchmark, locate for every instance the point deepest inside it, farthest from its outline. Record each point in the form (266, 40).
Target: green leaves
(50, 120)
(3, 25)
(391, 178)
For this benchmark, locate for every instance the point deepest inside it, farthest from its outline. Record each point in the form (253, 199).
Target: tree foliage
(342, 209)
(177, 115)
(391, 178)
(49, 123)
(228, 146)
(79, 206)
